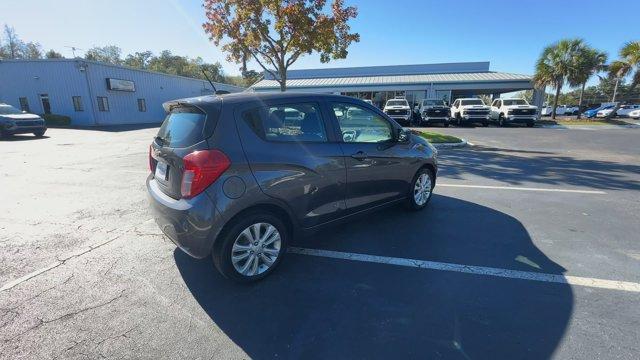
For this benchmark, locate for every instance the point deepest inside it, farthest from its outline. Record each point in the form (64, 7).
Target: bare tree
(13, 43)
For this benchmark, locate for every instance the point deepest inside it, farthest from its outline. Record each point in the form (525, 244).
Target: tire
(529, 124)
(446, 124)
(39, 133)
(485, 124)
(237, 235)
(414, 202)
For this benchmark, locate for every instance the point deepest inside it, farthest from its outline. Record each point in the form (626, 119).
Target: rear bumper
(192, 224)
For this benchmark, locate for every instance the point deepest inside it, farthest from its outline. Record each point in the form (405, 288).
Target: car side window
(361, 125)
(301, 122)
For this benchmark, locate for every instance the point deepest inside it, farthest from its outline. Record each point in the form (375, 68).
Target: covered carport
(413, 82)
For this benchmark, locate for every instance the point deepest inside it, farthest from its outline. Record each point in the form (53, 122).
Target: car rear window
(183, 127)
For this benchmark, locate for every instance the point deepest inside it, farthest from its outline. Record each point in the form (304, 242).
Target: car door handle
(360, 155)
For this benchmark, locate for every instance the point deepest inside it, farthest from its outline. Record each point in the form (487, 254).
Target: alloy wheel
(256, 249)
(422, 189)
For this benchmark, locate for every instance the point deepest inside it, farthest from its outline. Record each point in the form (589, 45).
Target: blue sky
(509, 34)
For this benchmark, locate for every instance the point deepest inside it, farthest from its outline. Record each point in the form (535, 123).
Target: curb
(463, 143)
(590, 127)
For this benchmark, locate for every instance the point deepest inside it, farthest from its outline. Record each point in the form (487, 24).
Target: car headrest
(275, 119)
(311, 124)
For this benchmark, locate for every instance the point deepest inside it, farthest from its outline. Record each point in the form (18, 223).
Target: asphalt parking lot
(529, 249)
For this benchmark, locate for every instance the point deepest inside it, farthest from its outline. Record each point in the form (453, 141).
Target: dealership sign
(121, 85)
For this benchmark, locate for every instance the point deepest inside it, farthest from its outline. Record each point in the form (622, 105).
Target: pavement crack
(116, 336)
(88, 308)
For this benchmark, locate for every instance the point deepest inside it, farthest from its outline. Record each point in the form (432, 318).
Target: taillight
(152, 162)
(201, 169)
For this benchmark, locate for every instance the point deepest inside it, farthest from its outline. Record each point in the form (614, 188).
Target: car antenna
(215, 91)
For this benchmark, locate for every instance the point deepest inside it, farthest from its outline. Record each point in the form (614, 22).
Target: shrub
(56, 120)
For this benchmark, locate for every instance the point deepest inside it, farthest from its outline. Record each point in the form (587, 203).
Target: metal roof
(487, 76)
(386, 70)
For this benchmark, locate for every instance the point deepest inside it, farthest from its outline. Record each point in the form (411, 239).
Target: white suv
(470, 111)
(509, 111)
(399, 110)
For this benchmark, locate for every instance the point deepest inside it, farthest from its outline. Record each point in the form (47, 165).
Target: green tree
(250, 77)
(629, 63)
(275, 33)
(52, 54)
(139, 60)
(556, 63)
(588, 62)
(109, 54)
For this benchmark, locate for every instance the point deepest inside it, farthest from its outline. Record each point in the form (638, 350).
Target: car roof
(248, 96)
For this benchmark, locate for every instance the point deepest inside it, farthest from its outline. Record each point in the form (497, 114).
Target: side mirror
(403, 135)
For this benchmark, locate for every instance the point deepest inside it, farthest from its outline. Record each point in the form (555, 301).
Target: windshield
(432, 102)
(471, 102)
(397, 103)
(9, 110)
(508, 102)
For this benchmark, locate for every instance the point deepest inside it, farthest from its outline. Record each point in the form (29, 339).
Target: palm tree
(589, 62)
(628, 63)
(556, 63)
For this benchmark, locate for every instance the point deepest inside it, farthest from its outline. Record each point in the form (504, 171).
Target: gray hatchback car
(237, 176)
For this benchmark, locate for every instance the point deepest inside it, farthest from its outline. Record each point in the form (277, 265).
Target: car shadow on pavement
(115, 128)
(521, 167)
(314, 307)
(22, 138)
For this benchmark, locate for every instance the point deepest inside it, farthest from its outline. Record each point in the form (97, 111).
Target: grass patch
(437, 138)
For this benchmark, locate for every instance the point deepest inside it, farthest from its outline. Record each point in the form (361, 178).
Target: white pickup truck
(470, 111)
(509, 111)
(399, 110)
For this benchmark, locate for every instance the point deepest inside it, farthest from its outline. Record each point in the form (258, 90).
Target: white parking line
(594, 192)
(475, 270)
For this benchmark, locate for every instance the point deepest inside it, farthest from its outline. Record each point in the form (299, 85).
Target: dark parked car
(14, 121)
(236, 176)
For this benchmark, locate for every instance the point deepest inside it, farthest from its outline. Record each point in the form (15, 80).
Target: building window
(103, 103)
(24, 104)
(77, 103)
(46, 105)
(142, 105)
